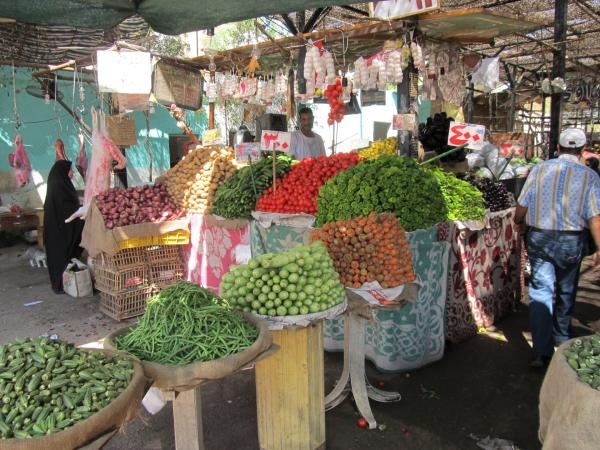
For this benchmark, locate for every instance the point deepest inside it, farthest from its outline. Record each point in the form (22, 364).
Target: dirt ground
(482, 387)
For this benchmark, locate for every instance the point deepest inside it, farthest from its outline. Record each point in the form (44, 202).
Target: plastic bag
(488, 73)
(77, 281)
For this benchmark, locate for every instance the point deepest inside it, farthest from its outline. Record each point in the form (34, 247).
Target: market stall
(484, 282)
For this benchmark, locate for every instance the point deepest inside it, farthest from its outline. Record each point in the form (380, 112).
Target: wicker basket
(166, 273)
(125, 304)
(123, 258)
(162, 253)
(111, 280)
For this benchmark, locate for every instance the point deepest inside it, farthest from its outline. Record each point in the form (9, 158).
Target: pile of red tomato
(297, 192)
(337, 108)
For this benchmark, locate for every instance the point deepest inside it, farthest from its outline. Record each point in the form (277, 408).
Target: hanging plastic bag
(488, 73)
(19, 161)
(352, 106)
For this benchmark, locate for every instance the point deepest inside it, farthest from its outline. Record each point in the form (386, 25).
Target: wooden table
(290, 391)
(27, 220)
(354, 379)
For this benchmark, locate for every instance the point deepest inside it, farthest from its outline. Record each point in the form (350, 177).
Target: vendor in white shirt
(305, 143)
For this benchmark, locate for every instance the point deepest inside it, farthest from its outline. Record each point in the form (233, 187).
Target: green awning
(164, 16)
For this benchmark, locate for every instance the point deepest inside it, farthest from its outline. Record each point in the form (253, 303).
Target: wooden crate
(111, 280)
(124, 305)
(161, 253)
(290, 391)
(166, 273)
(123, 258)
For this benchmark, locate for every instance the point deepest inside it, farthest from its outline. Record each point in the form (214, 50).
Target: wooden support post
(187, 417)
(558, 70)
(290, 391)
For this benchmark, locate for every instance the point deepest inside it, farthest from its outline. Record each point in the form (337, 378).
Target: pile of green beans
(47, 386)
(584, 358)
(186, 323)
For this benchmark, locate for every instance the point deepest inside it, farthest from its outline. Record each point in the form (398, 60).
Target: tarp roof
(166, 17)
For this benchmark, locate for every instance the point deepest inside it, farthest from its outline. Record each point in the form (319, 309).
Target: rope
(15, 111)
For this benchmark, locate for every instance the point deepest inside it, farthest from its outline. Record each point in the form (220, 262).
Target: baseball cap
(572, 138)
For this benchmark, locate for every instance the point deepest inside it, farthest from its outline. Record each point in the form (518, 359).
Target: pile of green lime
(302, 280)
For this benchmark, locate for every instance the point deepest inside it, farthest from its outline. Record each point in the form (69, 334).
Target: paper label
(404, 122)
(465, 133)
(211, 137)
(247, 150)
(275, 140)
(124, 72)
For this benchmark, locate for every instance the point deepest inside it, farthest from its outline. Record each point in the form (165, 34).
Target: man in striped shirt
(561, 197)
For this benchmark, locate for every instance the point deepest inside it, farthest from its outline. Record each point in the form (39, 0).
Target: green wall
(43, 123)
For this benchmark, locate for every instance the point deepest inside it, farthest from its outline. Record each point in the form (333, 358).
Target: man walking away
(560, 197)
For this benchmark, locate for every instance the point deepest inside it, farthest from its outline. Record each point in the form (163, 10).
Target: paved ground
(482, 387)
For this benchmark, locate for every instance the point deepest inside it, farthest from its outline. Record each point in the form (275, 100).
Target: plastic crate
(166, 273)
(177, 237)
(123, 258)
(162, 253)
(112, 280)
(124, 305)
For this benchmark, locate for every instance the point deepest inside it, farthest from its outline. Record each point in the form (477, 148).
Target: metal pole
(470, 101)
(403, 107)
(543, 126)
(558, 70)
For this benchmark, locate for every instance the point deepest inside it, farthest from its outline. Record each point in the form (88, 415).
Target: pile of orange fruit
(367, 249)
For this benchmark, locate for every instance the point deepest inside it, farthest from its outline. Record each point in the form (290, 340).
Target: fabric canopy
(166, 17)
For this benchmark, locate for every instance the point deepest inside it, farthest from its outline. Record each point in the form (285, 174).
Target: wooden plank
(187, 417)
(290, 392)
(471, 25)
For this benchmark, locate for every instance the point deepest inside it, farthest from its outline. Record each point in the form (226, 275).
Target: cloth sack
(568, 408)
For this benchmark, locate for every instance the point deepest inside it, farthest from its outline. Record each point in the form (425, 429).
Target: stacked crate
(165, 265)
(133, 275)
(123, 282)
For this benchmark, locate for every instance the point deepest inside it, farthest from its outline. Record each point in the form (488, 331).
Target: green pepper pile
(388, 184)
(47, 386)
(463, 200)
(236, 198)
(186, 323)
(584, 358)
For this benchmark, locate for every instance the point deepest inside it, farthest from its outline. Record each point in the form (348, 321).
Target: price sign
(404, 122)
(275, 140)
(471, 135)
(247, 150)
(211, 137)
(124, 72)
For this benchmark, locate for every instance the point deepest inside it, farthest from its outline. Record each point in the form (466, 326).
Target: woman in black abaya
(61, 239)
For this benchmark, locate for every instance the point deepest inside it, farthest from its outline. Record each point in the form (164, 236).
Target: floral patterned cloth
(276, 238)
(212, 248)
(484, 282)
(412, 336)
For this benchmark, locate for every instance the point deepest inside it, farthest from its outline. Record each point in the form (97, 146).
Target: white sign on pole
(247, 150)
(275, 140)
(124, 72)
(471, 135)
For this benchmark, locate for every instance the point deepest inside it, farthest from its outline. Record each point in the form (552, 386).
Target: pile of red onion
(140, 204)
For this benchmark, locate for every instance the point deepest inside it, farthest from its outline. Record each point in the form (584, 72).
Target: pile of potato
(192, 183)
